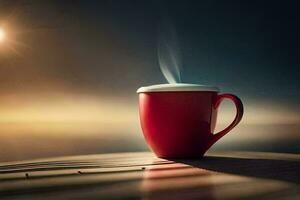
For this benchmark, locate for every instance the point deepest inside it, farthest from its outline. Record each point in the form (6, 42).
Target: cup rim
(177, 87)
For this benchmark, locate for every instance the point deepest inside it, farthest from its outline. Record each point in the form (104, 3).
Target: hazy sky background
(250, 48)
(70, 61)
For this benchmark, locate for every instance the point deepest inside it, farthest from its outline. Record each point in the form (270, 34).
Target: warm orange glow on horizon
(82, 109)
(42, 124)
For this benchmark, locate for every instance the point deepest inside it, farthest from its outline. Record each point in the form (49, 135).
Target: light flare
(2, 34)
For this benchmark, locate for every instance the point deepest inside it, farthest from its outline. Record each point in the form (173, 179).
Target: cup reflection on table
(176, 181)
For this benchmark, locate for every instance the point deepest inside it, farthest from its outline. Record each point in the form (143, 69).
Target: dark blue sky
(249, 48)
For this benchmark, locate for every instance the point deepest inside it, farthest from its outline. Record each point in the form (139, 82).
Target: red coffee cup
(178, 120)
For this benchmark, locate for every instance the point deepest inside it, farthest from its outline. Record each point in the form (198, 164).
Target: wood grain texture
(219, 175)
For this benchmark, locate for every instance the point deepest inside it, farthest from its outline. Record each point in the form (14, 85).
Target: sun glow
(2, 34)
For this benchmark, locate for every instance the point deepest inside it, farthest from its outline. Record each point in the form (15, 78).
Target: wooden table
(223, 175)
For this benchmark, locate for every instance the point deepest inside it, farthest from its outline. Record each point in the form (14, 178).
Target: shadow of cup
(282, 170)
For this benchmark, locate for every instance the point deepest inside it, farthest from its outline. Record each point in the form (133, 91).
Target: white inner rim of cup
(178, 87)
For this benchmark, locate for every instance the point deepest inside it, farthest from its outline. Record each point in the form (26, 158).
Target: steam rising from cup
(169, 55)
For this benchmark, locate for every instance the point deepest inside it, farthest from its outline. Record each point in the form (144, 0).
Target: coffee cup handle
(239, 114)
